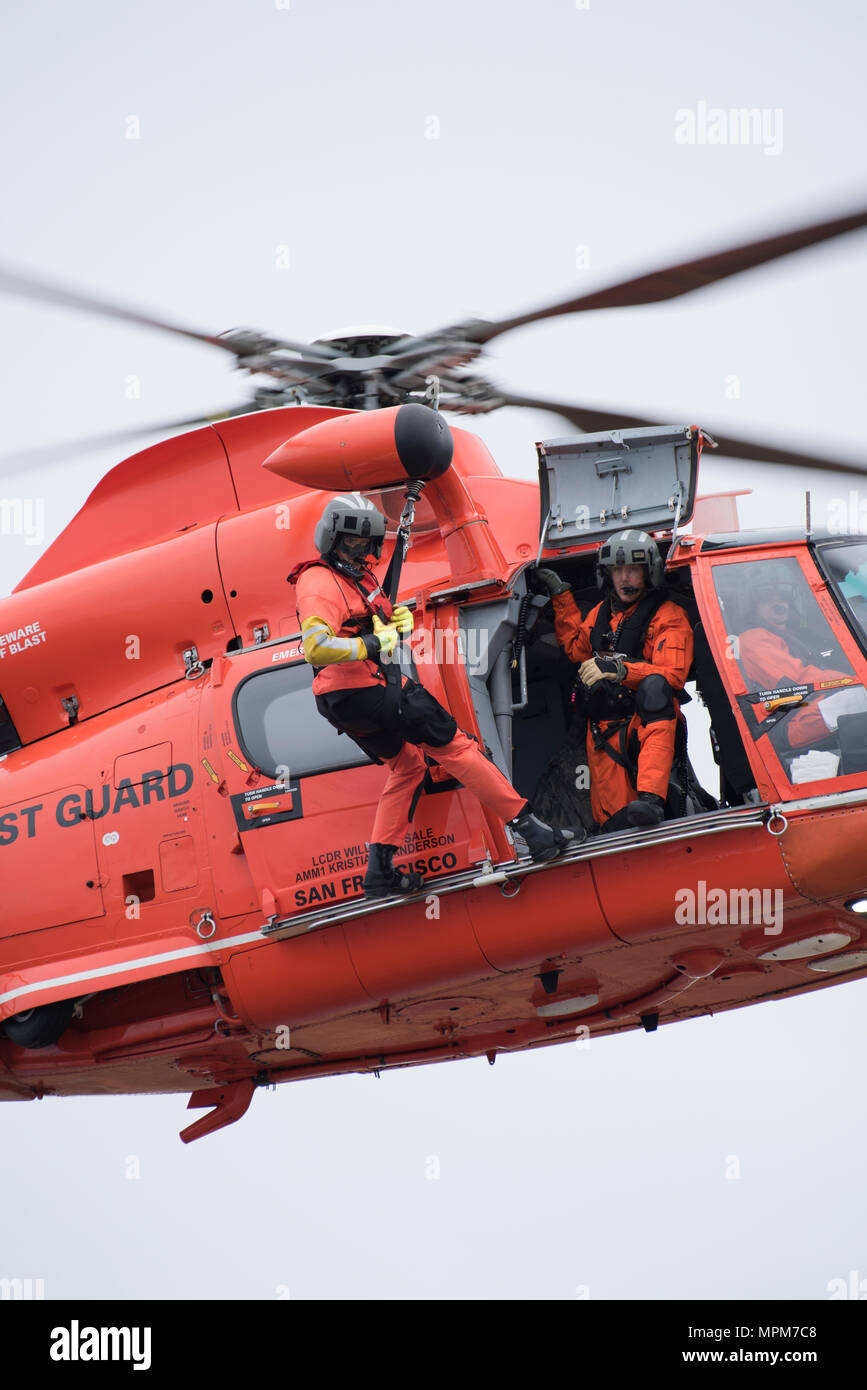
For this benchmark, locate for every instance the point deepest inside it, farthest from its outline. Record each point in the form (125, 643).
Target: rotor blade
(676, 280)
(51, 452)
(594, 421)
(13, 282)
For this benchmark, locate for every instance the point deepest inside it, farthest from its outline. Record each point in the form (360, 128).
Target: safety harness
(607, 701)
(631, 632)
(616, 706)
(368, 590)
(362, 580)
(376, 602)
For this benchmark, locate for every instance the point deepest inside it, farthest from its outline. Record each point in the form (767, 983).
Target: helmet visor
(356, 547)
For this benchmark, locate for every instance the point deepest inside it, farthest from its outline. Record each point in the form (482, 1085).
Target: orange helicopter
(183, 838)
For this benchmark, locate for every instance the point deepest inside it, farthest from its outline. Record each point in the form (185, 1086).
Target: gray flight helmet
(349, 514)
(629, 548)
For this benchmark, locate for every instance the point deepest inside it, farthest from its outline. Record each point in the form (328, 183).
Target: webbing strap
(364, 583)
(425, 785)
(601, 742)
(629, 638)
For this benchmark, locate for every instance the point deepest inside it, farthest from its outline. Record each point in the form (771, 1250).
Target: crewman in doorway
(634, 651)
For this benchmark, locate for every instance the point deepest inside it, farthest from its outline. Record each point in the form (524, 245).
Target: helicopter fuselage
(182, 838)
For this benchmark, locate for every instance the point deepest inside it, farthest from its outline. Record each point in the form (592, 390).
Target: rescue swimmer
(348, 626)
(634, 651)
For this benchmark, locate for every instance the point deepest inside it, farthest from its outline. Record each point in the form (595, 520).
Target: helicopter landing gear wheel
(40, 1027)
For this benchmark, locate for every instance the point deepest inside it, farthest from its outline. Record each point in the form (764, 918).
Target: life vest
(607, 700)
(362, 581)
(628, 641)
(375, 601)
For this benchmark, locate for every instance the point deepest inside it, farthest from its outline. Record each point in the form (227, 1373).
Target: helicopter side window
(279, 726)
(9, 739)
(799, 690)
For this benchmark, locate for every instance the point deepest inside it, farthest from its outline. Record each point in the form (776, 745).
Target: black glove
(551, 581)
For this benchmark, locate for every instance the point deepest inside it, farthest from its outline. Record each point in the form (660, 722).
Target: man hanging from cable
(349, 631)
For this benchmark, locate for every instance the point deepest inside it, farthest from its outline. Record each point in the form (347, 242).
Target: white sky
(306, 126)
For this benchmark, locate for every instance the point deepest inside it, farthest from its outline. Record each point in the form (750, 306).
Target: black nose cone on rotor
(423, 440)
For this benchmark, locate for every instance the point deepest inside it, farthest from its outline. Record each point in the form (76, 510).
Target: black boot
(382, 878)
(543, 841)
(647, 811)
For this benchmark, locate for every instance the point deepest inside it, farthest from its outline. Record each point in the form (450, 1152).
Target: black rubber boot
(382, 878)
(647, 811)
(543, 841)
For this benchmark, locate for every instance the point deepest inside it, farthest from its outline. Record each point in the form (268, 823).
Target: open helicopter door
(591, 486)
(595, 484)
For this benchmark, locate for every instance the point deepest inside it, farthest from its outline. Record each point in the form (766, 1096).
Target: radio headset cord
(528, 601)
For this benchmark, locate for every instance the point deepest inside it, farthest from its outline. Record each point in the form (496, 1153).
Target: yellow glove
(387, 634)
(602, 668)
(403, 620)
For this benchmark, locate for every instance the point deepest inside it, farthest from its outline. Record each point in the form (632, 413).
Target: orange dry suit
(393, 720)
(631, 725)
(768, 663)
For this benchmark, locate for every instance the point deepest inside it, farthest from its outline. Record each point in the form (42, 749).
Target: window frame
(772, 780)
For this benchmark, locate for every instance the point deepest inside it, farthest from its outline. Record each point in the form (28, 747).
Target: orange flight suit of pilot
(766, 662)
(323, 593)
(667, 651)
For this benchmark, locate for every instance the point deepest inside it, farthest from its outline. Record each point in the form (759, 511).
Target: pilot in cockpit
(776, 652)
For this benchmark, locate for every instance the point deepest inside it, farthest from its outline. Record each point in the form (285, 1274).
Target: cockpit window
(846, 567)
(800, 691)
